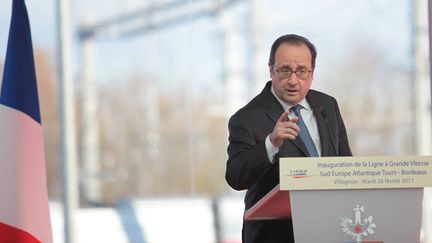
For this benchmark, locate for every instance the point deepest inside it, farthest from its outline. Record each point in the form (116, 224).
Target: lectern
(349, 199)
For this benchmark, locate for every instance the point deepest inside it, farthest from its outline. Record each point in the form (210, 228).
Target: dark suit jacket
(248, 166)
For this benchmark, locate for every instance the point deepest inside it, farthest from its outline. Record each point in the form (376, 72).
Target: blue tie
(304, 133)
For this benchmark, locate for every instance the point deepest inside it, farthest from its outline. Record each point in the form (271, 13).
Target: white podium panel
(357, 216)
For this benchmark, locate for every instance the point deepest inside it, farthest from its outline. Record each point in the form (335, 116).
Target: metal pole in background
(258, 58)
(422, 79)
(236, 66)
(67, 121)
(423, 101)
(91, 166)
(428, 191)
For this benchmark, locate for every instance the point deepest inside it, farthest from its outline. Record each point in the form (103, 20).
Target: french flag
(24, 211)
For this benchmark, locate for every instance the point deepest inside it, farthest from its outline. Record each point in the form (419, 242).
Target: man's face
(291, 57)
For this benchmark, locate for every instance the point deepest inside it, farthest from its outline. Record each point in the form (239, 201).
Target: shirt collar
(286, 106)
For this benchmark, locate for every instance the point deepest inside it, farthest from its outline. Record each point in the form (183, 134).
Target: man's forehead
(294, 48)
(288, 53)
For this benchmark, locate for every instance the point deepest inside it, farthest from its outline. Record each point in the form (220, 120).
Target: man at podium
(287, 119)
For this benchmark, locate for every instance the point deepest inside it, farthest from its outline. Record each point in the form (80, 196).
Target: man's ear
(270, 68)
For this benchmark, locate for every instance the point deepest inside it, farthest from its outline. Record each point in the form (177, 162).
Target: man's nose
(292, 80)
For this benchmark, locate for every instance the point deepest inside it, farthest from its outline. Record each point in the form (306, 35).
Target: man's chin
(292, 99)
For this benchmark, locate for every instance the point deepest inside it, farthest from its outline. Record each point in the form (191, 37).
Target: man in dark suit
(266, 129)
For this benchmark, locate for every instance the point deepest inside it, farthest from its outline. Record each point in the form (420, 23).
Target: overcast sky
(193, 52)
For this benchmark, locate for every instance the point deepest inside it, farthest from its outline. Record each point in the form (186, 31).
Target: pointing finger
(283, 117)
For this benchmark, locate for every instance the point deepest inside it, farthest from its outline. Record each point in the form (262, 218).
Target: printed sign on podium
(351, 199)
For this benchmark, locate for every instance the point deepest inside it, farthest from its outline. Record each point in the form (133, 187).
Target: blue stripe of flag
(19, 87)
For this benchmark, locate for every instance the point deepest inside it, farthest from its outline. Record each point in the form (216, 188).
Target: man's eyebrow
(285, 67)
(302, 67)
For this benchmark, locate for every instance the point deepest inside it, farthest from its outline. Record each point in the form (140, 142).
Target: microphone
(323, 113)
(324, 116)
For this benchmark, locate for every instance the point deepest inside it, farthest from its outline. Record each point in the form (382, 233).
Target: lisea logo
(299, 173)
(357, 229)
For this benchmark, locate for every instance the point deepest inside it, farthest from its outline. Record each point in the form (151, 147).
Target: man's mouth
(292, 91)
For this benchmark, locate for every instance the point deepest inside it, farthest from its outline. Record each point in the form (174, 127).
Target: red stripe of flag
(12, 234)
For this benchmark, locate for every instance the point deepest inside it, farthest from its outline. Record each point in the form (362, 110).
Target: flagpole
(67, 121)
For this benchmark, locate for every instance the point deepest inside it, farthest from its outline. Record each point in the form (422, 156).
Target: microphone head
(323, 112)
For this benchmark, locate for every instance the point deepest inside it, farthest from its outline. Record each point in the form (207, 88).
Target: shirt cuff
(271, 149)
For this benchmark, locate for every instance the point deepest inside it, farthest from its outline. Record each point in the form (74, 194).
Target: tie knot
(296, 109)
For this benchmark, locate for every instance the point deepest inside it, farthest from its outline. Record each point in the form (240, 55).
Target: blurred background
(156, 81)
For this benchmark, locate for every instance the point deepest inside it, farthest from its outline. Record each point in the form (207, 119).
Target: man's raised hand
(284, 129)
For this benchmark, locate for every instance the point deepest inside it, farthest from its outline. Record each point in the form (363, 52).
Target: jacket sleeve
(247, 155)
